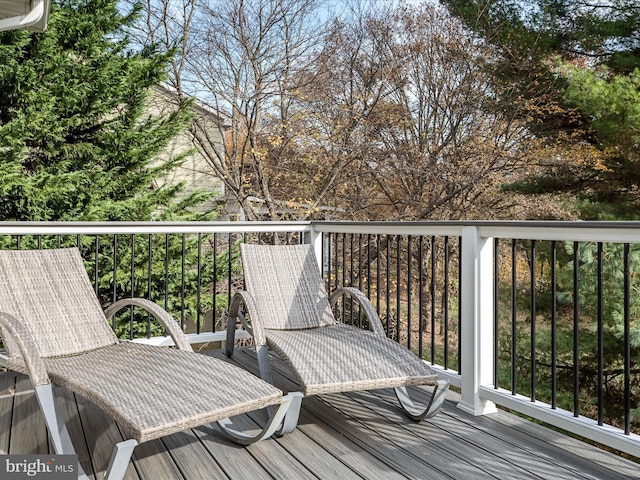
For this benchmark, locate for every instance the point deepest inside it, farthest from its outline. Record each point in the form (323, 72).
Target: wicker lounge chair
(289, 312)
(54, 330)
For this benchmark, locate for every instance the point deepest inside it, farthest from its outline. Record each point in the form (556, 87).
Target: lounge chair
(289, 313)
(55, 331)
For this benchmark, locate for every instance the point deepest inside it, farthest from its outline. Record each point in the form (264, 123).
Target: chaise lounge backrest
(50, 291)
(287, 289)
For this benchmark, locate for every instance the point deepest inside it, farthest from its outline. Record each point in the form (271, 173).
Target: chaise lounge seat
(290, 314)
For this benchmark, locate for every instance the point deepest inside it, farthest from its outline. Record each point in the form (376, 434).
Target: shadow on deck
(340, 436)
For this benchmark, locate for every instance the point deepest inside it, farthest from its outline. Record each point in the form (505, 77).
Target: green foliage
(76, 142)
(590, 100)
(605, 32)
(613, 301)
(592, 209)
(612, 102)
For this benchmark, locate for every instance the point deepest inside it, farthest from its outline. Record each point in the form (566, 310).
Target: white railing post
(315, 239)
(476, 329)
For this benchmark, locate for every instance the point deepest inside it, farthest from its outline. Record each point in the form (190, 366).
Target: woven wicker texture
(51, 290)
(341, 358)
(290, 299)
(155, 391)
(286, 286)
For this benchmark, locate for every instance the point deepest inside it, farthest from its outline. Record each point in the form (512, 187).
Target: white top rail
(111, 228)
(619, 232)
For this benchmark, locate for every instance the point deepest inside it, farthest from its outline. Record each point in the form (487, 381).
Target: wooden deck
(359, 435)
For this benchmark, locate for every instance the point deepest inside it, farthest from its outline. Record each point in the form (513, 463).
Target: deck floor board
(340, 436)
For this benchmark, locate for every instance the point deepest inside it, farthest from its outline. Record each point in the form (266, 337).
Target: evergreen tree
(575, 64)
(76, 142)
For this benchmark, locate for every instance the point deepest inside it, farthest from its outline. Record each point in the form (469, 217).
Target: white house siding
(194, 171)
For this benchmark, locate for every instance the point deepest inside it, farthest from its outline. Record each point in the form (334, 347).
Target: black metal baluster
(514, 382)
(327, 238)
(96, 274)
(360, 276)
(149, 283)
(496, 318)
(378, 274)
(388, 284)
(532, 314)
(459, 304)
(182, 281)
(368, 266)
(554, 315)
(409, 287)
(344, 273)
(421, 288)
(351, 273)
(600, 321)
(398, 287)
(576, 336)
(627, 341)
(114, 296)
(133, 283)
(432, 295)
(199, 284)
(420, 295)
(445, 293)
(229, 267)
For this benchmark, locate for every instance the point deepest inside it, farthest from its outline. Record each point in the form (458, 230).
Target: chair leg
(292, 400)
(264, 364)
(55, 424)
(57, 428)
(231, 336)
(120, 460)
(264, 368)
(435, 402)
(293, 414)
